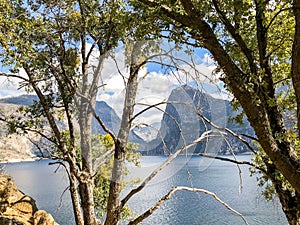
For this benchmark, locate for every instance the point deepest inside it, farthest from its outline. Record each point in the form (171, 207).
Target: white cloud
(10, 86)
(153, 88)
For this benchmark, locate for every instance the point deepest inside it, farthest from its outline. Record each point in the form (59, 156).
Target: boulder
(16, 208)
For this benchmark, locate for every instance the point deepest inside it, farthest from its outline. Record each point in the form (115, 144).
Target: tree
(256, 46)
(57, 50)
(49, 42)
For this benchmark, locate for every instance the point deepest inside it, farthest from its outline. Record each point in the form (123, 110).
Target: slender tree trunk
(87, 202)
(86, 182)
(75, 200)
(114, 207)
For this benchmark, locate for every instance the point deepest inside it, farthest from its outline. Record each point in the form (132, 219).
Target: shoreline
(18, 160)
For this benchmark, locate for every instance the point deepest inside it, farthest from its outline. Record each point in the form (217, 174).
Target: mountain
(25, 100)
(182, 125)
(27, 150)
(112, 122)
(14, 147)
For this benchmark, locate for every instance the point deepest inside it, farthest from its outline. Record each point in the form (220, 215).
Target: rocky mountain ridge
(180, 125)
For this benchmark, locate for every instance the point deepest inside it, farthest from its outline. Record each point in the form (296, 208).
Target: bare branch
(228, 131)
(162, 166)
(14, 76)
(91, 49)
(250, 137)
(146, 109)
(234, 161)
(182, 188)
(238, 166)
(166, 113)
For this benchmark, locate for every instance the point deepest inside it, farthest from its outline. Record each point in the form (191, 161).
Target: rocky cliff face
(16, 208)
(14, 147)
(182, 125)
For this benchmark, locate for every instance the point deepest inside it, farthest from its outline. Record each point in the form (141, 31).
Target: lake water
(46, 184)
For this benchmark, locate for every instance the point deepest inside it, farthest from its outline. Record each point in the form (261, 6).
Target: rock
(41, 217)
(16, 208)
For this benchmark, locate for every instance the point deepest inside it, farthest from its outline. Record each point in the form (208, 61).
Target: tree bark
(75, 200)
(114, 206)
(296, 60)
(86, 183)
(87, 201)
(289, 200)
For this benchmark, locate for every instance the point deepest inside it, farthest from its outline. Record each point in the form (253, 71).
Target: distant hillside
(25, 100)
(13, 147)
(22, 146)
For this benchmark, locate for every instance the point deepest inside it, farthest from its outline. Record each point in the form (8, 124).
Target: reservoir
(48, 185)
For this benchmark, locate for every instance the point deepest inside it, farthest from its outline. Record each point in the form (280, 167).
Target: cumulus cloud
(10, 86)
(154, 86)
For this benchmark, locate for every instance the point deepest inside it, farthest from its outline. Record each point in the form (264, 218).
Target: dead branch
(234, 161)
(238, 166)
(166, 113)
(147, 108)
(162, 166)
(182, 188)
(228, 131)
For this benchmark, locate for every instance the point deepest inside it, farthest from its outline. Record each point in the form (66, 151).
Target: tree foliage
(57, 50)
(256, 47)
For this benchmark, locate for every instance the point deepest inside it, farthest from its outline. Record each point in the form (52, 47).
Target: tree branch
(228, 131)
(162, 166)
(234, 161)
(99, 120)
(182, 188)
(101, 159)
(237, 37)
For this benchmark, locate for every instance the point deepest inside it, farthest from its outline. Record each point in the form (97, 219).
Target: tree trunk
(296, 60)
(290, 200)
(291, 208)
(114, 207)
(87, 202)
(75, 200)
(86, 182)
(283, 157)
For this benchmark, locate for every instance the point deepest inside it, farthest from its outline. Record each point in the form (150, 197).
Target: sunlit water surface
(48, 185)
